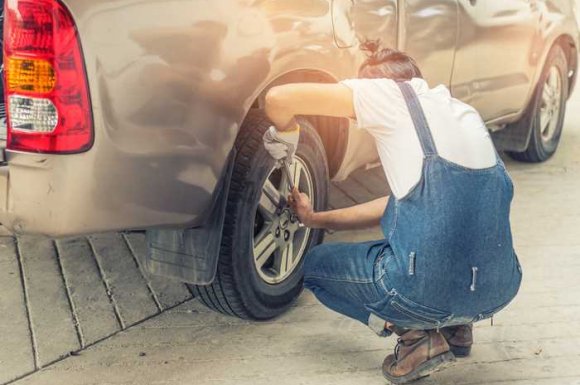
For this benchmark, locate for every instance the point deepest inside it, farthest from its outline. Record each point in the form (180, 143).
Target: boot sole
(460, 351)
(427, 368)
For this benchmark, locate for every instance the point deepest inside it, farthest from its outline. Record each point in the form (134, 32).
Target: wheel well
(567, 43)
(332, 131)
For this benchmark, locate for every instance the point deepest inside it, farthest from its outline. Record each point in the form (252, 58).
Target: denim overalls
(447, 258)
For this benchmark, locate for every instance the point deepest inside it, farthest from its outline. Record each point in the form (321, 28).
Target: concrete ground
(90, 297)
(59, 297)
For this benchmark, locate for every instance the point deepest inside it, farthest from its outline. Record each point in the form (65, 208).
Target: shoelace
(401, 342)
(398, 348)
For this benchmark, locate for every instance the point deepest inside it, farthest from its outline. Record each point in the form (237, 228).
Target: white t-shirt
(458, 130)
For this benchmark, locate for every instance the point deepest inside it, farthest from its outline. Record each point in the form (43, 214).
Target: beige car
(148, 115)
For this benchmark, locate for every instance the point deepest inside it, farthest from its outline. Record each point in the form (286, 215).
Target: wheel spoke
(286, 257)
(546, 94)
(553, 80)
(267, 207)
(271, 193)
(556, 87)
(544, 122)
(264, 246)
(296, 173)
(285, 184)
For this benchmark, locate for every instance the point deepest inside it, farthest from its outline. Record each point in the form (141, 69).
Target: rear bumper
(71, 195)
(61, 196)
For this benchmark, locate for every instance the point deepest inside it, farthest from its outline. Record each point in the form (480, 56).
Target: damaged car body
(150, 116)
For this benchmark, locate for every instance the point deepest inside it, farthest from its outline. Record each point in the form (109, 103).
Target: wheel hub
(285, 219)
(285, 227)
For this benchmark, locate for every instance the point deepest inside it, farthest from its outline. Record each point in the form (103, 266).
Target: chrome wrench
(289, 177)
(285, 167)
(288, 173)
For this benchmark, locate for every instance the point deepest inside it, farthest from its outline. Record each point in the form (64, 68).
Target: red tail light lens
(47, 95)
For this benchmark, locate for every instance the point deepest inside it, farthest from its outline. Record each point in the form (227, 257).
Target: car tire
(548, 111)
(243, 287)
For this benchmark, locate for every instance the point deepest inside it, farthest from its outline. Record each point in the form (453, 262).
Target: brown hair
(387, 63)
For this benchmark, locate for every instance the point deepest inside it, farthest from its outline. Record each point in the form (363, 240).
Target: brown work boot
(459, 338)
(417, 354)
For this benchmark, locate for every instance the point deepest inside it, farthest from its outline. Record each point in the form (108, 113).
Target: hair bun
(371, 48)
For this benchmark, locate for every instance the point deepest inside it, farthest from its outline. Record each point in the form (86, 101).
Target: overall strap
(419, 120)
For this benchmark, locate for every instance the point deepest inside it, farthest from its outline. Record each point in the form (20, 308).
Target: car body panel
(423, 28)
(506, 29)
(172, 80)
(170, 89)
(429, 35)
(516, 35)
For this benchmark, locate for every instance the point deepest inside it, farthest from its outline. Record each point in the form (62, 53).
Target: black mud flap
(191, 255)
(515, 137)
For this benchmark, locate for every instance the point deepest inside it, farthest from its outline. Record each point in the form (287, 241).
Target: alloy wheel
(280, 240)
(550, 104)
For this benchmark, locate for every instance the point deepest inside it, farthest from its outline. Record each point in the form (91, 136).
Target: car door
(425, 29)
(428, 32)
(356, 21)
(496, 54)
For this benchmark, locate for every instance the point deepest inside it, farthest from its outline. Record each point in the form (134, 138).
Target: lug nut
(277, 232)
(286, 235)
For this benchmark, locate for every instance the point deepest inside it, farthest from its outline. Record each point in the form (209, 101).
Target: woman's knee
(312, 260)
(331, 259)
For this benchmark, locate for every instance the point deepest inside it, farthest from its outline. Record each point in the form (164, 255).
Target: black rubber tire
(538, 150)
(238, 289)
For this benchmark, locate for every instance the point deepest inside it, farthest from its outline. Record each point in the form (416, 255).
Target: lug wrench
(289, 177)
(288, 172)
(286, 166)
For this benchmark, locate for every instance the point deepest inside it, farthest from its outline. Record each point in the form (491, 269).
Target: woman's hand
(301, 206)
(363, 216)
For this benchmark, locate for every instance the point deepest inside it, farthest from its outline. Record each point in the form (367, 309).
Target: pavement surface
(82, 311)
(59, 297)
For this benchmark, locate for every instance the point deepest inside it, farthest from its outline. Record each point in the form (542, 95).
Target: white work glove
(281, 145)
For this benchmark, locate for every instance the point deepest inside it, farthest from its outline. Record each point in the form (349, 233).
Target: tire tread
(221, 295)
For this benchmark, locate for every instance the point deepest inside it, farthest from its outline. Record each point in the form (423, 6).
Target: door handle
(472, 2)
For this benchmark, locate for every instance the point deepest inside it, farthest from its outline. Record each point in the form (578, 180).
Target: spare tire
(260, 264)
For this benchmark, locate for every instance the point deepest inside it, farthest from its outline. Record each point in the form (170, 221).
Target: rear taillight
(46, 90)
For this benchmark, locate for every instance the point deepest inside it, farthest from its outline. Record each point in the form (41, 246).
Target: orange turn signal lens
(30, 75)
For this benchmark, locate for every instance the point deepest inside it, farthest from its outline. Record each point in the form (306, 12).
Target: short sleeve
(376, 102)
